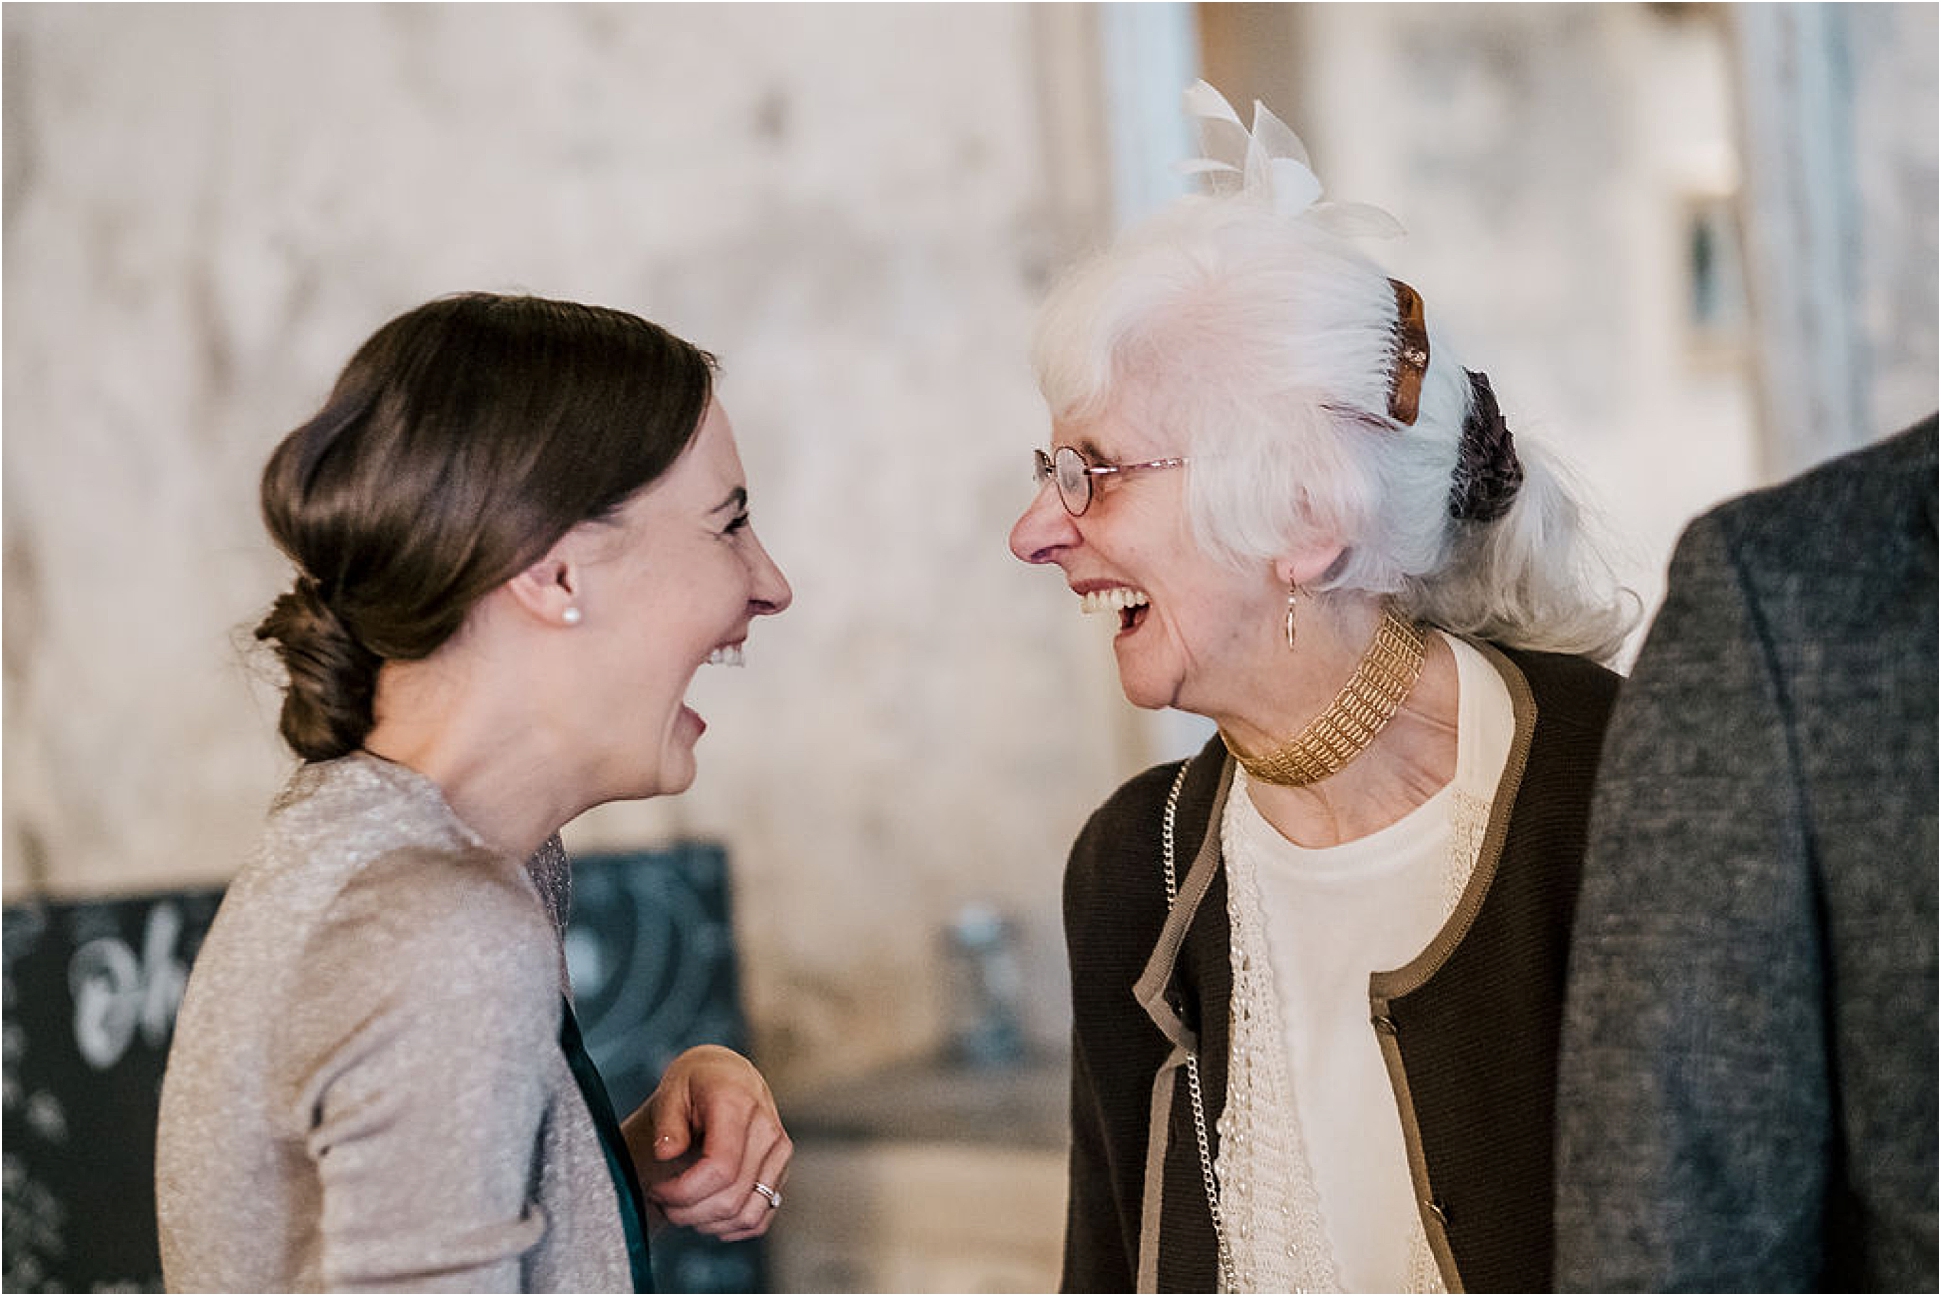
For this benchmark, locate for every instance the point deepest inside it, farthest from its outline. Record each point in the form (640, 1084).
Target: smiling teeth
(726, 655)
(1111, 600)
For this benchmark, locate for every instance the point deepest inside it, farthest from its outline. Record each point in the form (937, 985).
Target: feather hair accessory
(1270, 162)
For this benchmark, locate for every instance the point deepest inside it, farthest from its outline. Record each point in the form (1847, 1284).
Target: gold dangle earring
(1291, 588)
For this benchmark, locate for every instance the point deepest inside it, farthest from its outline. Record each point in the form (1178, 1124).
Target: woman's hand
(705, 1138)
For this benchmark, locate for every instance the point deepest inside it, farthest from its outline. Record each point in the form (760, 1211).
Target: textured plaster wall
(1548, 161)
(1545, 160)
(207, 208)
(1891, 65)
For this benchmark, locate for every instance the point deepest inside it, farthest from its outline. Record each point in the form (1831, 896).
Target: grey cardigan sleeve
(419, 1048)
(1693, 1100)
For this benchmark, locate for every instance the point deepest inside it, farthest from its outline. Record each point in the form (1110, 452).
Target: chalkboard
(651, 952)
(91, 988)
(90, 996)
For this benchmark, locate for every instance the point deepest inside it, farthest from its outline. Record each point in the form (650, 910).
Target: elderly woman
(519, 527)
(1316, 969)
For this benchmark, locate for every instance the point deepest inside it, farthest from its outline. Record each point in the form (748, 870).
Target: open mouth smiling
(1129, 603)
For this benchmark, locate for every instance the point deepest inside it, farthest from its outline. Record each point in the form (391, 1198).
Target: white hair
(1264, 347)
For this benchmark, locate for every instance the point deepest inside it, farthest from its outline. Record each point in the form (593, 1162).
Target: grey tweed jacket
(1747, 1089)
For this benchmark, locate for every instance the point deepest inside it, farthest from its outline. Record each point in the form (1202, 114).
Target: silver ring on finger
(774, 1198)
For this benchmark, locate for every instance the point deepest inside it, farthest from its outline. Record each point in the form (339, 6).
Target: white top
(1313, 1167)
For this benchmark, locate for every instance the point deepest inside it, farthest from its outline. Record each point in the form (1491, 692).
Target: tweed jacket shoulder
(1749, 1070)
(1468, 1028)
(366, 1087)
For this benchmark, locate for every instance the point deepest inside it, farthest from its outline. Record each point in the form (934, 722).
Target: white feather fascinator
(1270, 163)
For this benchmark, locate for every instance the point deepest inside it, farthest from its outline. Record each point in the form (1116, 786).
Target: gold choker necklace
(1363, 708)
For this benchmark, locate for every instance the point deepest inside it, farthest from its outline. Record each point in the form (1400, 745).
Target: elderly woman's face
(1192, 632)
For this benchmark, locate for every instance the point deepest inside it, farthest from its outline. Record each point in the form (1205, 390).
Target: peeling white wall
(208, 208)
(1547, 160)
(857, 207)
(1543, 158)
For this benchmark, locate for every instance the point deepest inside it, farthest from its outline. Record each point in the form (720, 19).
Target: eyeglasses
(1073, 473)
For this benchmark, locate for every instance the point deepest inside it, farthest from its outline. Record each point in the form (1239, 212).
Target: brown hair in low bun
(459, 444)
(332, 678)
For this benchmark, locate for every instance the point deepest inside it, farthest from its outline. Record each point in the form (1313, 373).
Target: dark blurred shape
(90, 996)
(651, 951)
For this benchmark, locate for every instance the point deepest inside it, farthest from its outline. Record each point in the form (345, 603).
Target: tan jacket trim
(1150, 988)
(1425, 1201)
(1386, 986)
(1150, 991)
(1152, 1199)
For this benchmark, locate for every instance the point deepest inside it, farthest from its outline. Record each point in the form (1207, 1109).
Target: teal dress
(620, 1163)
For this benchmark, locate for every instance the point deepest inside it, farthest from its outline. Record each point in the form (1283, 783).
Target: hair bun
(332, 676)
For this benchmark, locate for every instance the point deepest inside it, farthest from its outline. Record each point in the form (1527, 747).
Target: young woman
(519, 527)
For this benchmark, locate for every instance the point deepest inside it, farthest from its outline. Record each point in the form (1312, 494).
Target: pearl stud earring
(571, 616)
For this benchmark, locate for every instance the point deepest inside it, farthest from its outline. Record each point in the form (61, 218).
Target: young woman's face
(674, 580)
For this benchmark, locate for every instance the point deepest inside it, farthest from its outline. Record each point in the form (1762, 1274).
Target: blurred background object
(1694, 246)
(984, 1012)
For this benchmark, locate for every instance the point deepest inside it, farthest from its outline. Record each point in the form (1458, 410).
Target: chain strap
(1230, 1280)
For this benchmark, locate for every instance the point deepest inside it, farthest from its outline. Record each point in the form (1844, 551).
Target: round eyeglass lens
(1074, 483)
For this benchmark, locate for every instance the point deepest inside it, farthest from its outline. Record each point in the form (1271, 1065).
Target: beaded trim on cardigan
(1274, 1221)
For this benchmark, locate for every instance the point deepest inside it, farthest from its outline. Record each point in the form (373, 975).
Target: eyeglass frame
(1044, 467)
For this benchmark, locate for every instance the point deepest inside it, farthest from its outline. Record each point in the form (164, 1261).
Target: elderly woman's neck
(1284, 689)
(1409, 761)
